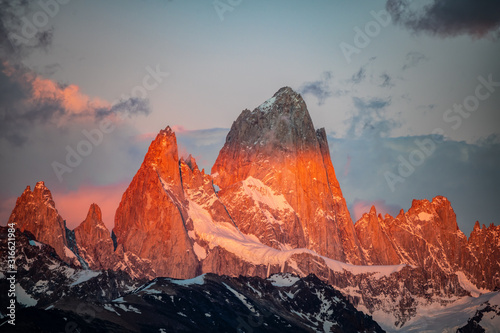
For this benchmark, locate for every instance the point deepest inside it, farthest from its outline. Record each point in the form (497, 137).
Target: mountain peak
(167, 131)
(287, 92)
(93, 224)
(277, 145)
(285, 96)
(41, 185)
(35, 211)
(94, 213)
(190, 162)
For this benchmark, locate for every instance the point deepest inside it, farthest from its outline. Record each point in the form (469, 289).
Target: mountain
(277, 181)
(271, 205)
(93, 240)
(35, 211)
(427, 236)
(151, 218)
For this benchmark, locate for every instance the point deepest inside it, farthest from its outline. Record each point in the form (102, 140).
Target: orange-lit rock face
(276, 144)
(149, 221)
(426, 236)
(482, 257)
(35, 211)
(94, 240)
(373, 238)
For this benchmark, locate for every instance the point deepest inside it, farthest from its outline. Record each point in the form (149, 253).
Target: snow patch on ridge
(469, 286)
(23, 297)
(283, 280)
(261, 193)
(196, 280)
(83, 276)
(423, 216)
(250, 249)
(436, 317)
(200, 252)
(267, 105)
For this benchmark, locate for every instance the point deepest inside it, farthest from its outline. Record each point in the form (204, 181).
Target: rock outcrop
(427, 236)
(35, 211)
(93, 240)
(481, 259)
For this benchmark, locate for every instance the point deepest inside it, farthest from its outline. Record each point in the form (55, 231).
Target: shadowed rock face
(274, 151)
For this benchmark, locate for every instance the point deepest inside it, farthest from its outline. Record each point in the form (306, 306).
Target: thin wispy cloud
(386, 81)
(321, 89)
(359, 76)
(412, 59)
(369, 118)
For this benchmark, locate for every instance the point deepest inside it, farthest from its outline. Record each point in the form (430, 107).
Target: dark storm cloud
(14, 39)
(320, 88)
(448, 18)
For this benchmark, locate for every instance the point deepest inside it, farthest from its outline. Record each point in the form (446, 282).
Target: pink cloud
(145, 137)
(46, 91)
(179, 129)
(6, 207)
(73, 206)
(70, 97)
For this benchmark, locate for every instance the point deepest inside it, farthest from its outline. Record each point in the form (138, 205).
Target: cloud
(360, 207)
(14, 41)
(203, 145)
(130, 107)
(28, 100)
(73, 205)
(359, 76)
(467, 174)
(413, 58)
(448, 18)
(386, 81)
(320, 88)
(369, 119)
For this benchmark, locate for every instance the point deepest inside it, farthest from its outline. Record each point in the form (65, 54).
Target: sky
(408, 92)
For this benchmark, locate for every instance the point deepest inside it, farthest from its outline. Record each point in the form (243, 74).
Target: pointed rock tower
(35, 211)
(93, 240)
(151, 219)
(278, 182)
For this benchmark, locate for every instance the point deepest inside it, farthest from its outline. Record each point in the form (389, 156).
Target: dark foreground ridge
(69, 297)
